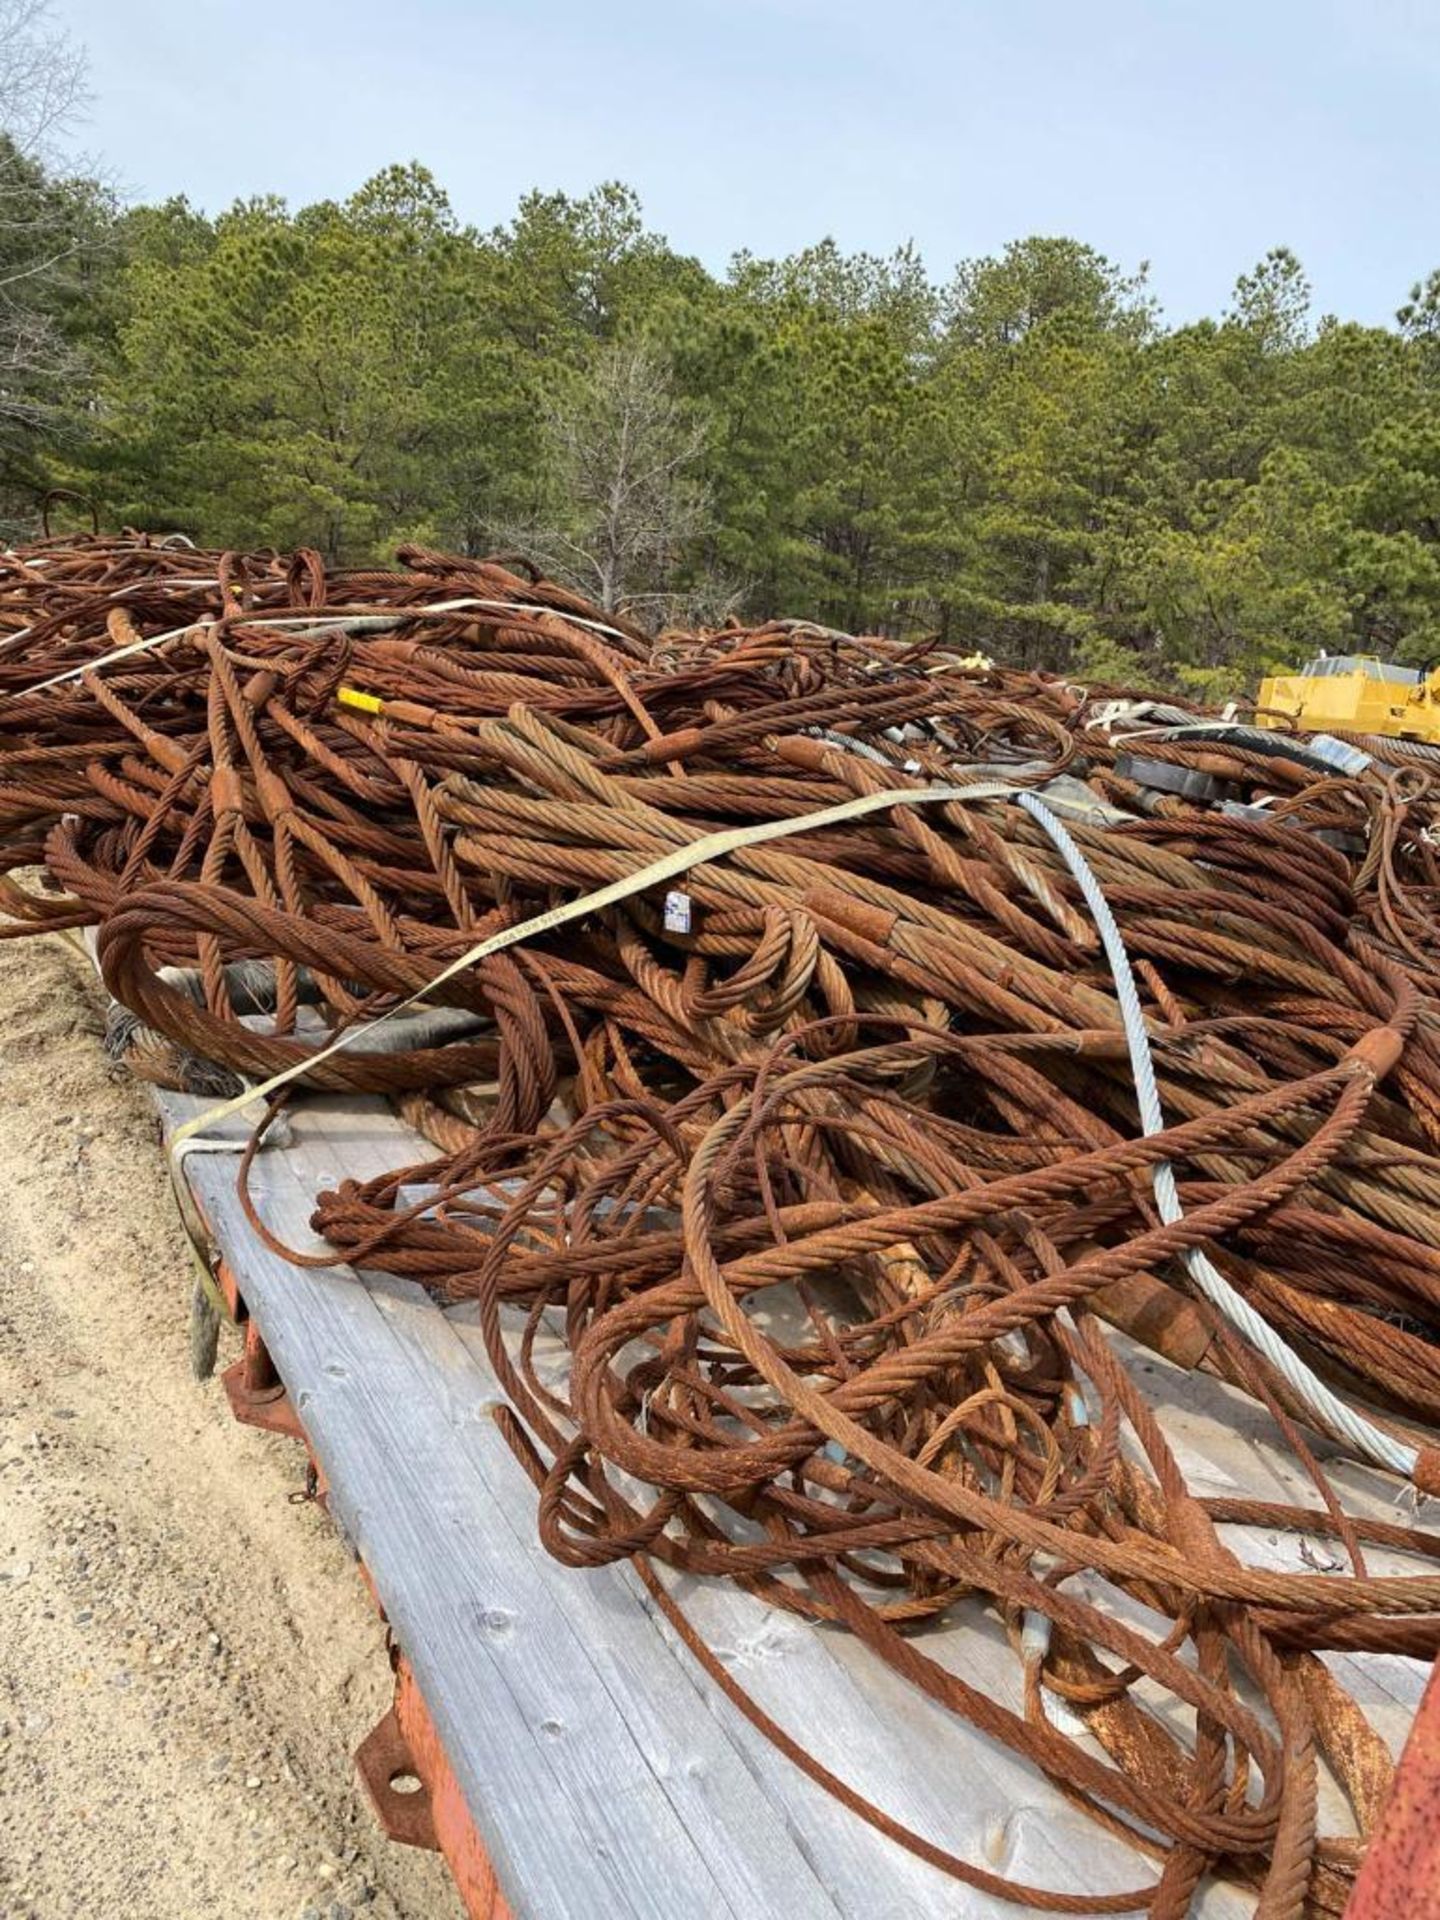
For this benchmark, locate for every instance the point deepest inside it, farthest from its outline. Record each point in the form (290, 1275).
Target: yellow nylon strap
(711, 846)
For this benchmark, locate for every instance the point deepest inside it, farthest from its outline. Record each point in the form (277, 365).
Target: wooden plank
(645, 1773)
(582, 1812)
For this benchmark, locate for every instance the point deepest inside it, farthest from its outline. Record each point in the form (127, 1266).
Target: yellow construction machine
(1353, 693)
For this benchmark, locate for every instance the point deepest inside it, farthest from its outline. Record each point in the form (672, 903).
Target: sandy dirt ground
(187, 1655)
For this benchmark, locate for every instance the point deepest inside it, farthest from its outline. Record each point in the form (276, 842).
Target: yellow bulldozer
(1353, 693)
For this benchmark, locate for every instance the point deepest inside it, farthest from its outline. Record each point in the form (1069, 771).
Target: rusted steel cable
(799, 1205)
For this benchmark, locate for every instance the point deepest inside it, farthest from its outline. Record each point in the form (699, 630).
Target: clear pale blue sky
(1192, 133)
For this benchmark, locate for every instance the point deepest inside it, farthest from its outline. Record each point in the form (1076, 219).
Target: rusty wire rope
(800, 1204)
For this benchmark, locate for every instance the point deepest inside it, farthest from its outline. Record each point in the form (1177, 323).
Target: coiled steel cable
(798, 1208)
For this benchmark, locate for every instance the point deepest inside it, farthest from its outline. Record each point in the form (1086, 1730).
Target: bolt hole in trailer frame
(549, 1734)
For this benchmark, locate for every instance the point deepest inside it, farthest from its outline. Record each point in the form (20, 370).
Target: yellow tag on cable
(362, 702)
(711, 846)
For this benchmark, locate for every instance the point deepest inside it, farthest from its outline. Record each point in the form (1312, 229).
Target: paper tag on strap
(677, 911)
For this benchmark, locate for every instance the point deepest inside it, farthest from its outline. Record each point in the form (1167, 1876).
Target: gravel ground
(187, 1655)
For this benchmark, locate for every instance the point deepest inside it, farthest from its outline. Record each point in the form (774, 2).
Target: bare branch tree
(624, 455)
(42, 77)
(46, 225)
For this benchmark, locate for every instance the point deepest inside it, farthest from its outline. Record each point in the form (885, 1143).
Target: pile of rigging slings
(832, 1153)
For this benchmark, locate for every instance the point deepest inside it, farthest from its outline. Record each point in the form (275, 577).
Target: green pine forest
(1020, 454)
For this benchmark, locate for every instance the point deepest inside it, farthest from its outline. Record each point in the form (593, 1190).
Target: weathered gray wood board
(605, 1773)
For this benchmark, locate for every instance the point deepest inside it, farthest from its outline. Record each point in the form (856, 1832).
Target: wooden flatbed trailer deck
(574, 1759)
